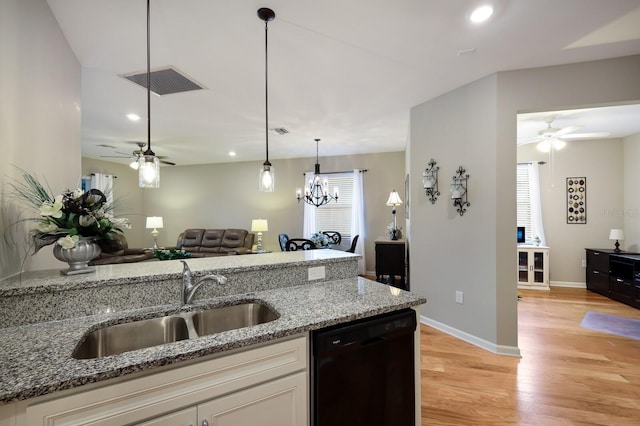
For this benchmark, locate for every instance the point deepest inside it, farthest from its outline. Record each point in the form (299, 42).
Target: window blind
(523, 203)
(336, 216)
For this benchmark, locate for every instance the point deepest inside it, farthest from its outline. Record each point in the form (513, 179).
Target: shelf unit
(533, 267)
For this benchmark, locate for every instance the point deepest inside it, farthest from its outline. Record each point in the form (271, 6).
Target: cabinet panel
(282, 402)
(186, 417)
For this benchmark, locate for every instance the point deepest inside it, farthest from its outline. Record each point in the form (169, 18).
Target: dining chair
(295, 244)
(282, 239)
(352, 249)
(334, 237)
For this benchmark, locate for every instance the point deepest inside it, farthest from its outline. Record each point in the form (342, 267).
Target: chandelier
(316, 193)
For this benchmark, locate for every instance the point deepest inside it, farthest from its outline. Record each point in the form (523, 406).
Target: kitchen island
(309, 291)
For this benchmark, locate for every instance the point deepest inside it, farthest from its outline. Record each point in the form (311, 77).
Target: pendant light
(148, 163)
(266, 180)
(317, 191)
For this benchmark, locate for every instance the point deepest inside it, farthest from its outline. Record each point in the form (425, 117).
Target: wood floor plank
(568, 375)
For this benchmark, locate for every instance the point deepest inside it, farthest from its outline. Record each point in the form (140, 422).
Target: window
(523, 200)
(336, 216)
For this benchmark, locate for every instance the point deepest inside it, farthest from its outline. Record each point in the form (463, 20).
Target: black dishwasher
(363, 372)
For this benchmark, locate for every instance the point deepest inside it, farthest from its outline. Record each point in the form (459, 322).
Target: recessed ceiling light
(232, 153)
(481, 14)
(133, 117)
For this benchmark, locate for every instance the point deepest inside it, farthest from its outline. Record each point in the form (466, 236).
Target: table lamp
(154, 222)
(259, 226)
(394, 201)
(616, 234)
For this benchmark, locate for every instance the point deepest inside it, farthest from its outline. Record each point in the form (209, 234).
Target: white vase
(79, 256)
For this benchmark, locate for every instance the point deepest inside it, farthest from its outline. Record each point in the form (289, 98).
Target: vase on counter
(79, 256)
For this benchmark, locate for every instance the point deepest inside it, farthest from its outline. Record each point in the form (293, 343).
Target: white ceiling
(344, 71)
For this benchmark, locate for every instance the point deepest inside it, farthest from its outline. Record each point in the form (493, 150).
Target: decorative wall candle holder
(459, 191)
(430, 181)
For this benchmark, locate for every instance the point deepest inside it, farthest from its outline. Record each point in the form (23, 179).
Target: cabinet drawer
(597, 260)
(621, 290)
(598, 281)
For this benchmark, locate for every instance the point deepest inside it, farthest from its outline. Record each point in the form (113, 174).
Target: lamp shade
(154, 222)
(259, 225)
(394, 199)
(616, 234)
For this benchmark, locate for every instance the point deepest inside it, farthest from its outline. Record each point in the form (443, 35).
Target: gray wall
(40, 118)
(631, 212)
(476, 252)
(226, 196)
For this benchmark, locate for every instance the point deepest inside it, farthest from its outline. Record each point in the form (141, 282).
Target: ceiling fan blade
(530, 139)
(566, 130)
(167, 162)
(115, 156)
(592, 135)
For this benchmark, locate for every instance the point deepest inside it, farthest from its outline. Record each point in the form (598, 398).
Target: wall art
(576, 200)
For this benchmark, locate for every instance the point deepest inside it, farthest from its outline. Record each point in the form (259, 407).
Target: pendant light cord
(148, 82)
(266, 92)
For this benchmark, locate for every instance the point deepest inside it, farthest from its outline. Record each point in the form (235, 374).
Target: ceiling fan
(553, 137)
(135, 155)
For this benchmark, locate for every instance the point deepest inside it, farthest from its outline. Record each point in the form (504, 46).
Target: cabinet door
(281, 402)
(539, 264)
(523, 267)
(186, 417)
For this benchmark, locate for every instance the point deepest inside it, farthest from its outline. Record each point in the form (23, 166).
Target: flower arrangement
(319, 239)
(171, 254)
(66, 217)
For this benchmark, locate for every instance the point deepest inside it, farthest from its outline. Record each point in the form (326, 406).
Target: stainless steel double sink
(120, 338)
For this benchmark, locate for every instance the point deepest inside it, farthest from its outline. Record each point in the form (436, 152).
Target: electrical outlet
(459, 297)
(584, 263)
(316, 273)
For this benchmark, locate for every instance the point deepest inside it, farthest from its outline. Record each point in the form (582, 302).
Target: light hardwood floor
(568, 375)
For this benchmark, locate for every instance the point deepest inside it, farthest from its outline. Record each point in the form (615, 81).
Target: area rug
(621, 326)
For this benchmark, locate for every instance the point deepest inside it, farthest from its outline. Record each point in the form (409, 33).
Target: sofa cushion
(212, 240)
(191, 240)
(233, 240)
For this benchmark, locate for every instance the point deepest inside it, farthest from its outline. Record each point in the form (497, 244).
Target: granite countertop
(36, 359)
(49, 281)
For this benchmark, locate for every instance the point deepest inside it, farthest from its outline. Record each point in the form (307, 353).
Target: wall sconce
(459, 191)
(430, 181)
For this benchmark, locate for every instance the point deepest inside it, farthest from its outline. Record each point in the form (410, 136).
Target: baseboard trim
(567, 284)
(513, 351)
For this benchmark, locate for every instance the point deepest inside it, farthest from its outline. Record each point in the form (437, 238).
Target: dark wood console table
(615, 275)
(390, 262)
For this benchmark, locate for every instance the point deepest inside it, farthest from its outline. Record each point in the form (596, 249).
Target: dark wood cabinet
(390, 262)
(615, 275)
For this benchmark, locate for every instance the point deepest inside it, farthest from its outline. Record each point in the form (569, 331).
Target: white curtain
(357, 216)
(104, 183)
(309, 215)
(537, 230)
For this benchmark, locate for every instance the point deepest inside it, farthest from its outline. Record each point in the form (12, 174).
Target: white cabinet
(533, 267)
(266, 385)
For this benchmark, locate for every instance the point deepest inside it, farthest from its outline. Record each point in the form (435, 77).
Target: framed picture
(576, 200)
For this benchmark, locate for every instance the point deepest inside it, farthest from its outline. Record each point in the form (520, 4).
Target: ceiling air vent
(165, 81)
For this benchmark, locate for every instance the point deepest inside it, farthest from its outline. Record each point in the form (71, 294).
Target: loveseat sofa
(215, 242)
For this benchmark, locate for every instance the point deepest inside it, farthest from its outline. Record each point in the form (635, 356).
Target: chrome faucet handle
(185, 270)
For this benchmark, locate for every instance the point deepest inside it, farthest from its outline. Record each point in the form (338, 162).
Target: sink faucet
(189, 289)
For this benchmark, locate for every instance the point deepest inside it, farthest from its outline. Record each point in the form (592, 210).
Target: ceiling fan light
(544, 146)
(558, 144)
(134, 165)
